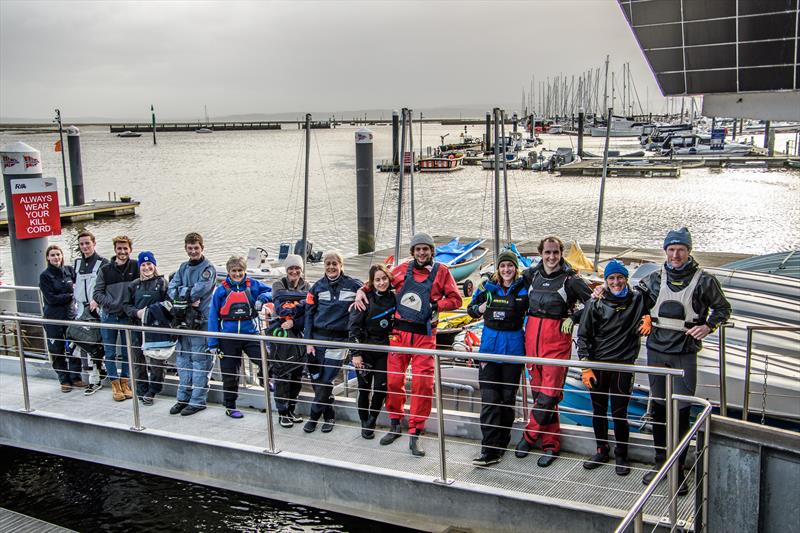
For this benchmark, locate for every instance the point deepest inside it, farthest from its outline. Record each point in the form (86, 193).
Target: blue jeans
(194, 368)
(111, 339)
(323, 370)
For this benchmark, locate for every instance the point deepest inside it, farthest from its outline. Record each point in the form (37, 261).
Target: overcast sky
(113, 59)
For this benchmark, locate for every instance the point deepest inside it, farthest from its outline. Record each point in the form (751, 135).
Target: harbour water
(243, 189)
(88, 497)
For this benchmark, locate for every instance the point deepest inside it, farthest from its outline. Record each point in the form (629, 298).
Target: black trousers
(67, 367)
(660, 430)
(230, 364)
(615, 387)
(499, 383)
(287, 389)
(371, 385)
(149, 373)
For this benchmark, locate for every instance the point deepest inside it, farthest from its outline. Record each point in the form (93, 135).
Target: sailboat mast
(497, 155)
(400, 187)
(411, 169)
(304, 240)
(505, 173)
(602, 190)
(605, 91)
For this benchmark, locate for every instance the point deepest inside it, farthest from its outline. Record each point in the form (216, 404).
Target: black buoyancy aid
(147, 292)
(414, 298)
(238, 305)
(547, 297)
(380, 315)
(506, 312)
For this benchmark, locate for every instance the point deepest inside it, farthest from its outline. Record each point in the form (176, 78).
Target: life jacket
(237, 305)
(506, 312)
(673, 310)
(152, 293)
(414, 298)
(84, 283)
(547, 297)
(380, 319)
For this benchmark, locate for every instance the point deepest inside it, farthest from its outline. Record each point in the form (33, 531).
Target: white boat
(204, 130)
(443, 163)
(620, 127)
(129, 133)
(513, 162)
(702, 145)
(556, 129)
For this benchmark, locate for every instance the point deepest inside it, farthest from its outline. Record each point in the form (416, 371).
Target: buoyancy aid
(414, 299)
(84, 283)
(506, 312)
(238, 305)
(547, 297)
(380, 316)
(674, 310)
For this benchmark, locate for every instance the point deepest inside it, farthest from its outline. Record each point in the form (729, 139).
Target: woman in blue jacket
(234, 309)
(56, 286)
(502, 300)
(327, 315)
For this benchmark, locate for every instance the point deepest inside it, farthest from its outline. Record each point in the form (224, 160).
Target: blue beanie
(147, 257)
(679, 236)
(615, 267)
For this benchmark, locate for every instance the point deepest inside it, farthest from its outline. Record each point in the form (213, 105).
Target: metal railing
(669, 469)
(748, 365)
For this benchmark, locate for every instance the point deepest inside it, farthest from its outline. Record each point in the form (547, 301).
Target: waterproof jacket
(327, 307)
(56, 286)
(609, 329)
(504, 317)
(444, 294)
(144, 293)
(375, 323)
(200, 277)
(708, 301)
(111, 289)
(290, 303)
(86, 277)
(258, 292)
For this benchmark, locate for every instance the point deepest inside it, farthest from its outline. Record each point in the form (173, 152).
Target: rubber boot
(126, 388)
(116, 391)
(415, 446)
(393, 434)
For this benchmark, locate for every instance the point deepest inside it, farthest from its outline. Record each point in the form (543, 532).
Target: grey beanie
(293, 260)
(421, 238)
(679, 236)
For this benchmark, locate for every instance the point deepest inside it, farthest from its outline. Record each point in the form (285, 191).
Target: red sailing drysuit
(443, 292)
(551, 298)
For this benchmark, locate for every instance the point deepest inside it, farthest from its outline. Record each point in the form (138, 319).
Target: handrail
(634, 515)
(748, 360)
(521, 359)
(723, 370)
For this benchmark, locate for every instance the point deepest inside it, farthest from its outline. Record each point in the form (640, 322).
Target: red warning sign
(36, 212)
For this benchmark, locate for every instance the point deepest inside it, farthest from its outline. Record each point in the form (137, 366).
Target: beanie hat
(147, 257)
(293, 260)
(679, 236)
(507, 255)
(421, 238)
(615, 267)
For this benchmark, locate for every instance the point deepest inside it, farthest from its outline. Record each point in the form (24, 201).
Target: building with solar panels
(741, 55)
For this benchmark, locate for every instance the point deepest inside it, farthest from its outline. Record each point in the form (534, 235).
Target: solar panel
(718, 46)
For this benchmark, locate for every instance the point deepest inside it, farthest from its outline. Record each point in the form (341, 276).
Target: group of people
(529, 312)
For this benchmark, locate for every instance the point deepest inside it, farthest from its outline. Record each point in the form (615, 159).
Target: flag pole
(63, 158)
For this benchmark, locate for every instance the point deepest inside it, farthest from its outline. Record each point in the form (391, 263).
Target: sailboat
(204, 129)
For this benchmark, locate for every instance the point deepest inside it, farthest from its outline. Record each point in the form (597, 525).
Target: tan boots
(116, 391)
(121, 390)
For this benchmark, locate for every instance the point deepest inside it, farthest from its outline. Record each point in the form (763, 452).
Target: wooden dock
(13, 522)
(619, 168)
(88, 211)
(189, 126)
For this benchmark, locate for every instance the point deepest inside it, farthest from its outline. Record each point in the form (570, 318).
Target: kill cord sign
(36, 211)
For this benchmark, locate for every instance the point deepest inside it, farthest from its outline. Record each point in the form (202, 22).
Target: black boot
(415, 446)
(366, 431)
(393, 434)
(597, 459)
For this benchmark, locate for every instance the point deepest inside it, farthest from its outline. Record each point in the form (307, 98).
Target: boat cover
(779, 264)
(453, 252)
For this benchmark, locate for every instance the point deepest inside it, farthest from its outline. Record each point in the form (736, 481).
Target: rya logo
(9, 161)
(30, 161)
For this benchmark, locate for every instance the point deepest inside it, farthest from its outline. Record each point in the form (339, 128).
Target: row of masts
(594, 91)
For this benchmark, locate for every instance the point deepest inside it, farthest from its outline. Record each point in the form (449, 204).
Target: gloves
(588, 378)
(216, 352)
(646, 325)
(566, 326)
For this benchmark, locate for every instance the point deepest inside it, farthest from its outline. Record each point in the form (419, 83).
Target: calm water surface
(88, 497)
(243, 189)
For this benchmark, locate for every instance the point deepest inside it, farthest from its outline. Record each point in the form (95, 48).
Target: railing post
(638, 523)
(137, 422)
(672, 425)
(23, 371)
(267, 397)
(437, 376)
(723, 393)
(748, 356)
(706, 464)
(525, 412)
